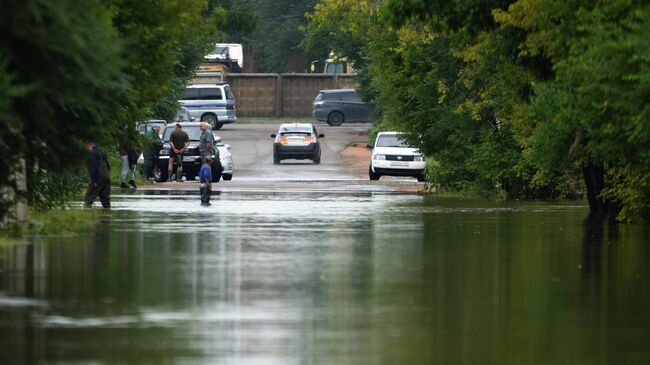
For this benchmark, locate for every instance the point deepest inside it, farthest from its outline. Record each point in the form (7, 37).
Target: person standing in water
(205, 177)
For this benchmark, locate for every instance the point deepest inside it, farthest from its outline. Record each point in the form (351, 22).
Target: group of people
(99, 167)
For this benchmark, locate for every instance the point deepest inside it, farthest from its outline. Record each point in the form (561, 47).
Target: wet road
(314, 264)
(309, 278)
(343, 168)
(252, 147)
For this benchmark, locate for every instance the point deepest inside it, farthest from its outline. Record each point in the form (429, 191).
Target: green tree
(70, 74)
(239, 20)
(163, 44)
(520, 97)
(63, 84)
(593, 117)
(278, 31)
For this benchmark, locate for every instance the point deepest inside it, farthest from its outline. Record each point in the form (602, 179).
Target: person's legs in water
(170, 166)
(205, 194)
(179, 167)
(91, 194)
(104, 191)
(148, 164)
(132, 181)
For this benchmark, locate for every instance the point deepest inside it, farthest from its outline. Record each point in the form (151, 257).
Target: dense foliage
(71, 74)
(526, 99)
(278, 31)
(270, 29)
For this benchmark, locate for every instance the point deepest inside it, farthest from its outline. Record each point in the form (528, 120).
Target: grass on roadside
(58, 221)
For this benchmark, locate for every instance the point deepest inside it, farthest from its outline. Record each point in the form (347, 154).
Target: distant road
(343, 168)
(252, 149)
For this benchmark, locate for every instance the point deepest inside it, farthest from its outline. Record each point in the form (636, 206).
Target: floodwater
(329, 279)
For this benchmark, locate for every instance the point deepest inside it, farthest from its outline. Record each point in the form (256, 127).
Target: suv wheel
(227, 177)
(335, 118)
(372, 175)
(276, 159)
(422, 177)
(211, 120)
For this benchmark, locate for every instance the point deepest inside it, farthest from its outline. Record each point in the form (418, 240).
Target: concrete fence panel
(299, 91)
(280, 95)
(255, 94)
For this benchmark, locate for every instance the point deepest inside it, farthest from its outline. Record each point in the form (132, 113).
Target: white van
(392, 156)
(210, 103)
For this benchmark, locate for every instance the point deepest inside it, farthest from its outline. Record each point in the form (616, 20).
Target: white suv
(210, 103)
(391, 156)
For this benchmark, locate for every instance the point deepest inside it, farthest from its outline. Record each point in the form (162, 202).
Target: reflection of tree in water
(592, 247)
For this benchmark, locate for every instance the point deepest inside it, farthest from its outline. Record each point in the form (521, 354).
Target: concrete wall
(279, 95)
(255, 94)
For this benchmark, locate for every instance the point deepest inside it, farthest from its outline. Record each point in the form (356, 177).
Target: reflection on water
(329, 279)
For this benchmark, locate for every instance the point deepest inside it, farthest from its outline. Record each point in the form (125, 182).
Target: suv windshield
(193, 132)
(391, 140)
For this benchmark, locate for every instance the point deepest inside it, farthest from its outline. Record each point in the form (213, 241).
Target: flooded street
(311, 278)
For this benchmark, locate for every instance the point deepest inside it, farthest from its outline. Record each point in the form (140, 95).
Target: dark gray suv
(341, 105)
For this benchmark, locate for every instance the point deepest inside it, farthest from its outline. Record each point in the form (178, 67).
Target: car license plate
(399, 163)
(189, 158)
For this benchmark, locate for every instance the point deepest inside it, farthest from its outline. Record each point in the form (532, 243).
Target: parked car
(225, 156)
(341, 105)
(143, 127)
(183, 113)
(297, 141)
(392, 156)
(191, 157)
(210, 103)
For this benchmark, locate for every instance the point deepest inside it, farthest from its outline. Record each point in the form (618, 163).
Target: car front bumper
(398, 168)
(193, 162)
(228, 166)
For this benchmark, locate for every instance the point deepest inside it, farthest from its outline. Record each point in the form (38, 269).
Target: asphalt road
(343, 167)
(252, 149)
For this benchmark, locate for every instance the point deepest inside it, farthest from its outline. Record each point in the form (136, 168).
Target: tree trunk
(594, 176)
(599, 209)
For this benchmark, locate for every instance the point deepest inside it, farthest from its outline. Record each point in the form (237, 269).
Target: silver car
(226, 158)
(213, 104)
(341, 105)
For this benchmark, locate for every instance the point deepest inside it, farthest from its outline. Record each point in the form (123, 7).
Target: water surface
(329, 279)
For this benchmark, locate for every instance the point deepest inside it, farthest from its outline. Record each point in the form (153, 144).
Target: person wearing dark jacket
(100, 181)
(153, 149)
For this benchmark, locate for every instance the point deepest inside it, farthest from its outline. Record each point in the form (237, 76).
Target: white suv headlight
(418, 158)
(379, 157)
